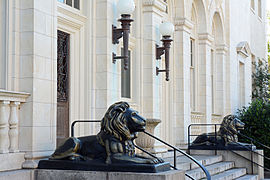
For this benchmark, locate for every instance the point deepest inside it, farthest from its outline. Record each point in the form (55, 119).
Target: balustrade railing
(9, 131)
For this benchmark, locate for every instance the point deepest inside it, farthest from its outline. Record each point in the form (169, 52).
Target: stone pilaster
(204, 83)
(38, 44)
(181, 70)
(152, 103)
(152, 16)
(221, 55)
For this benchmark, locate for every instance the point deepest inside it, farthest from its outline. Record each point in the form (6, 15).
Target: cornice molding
(154, 5)
(183, 24)
(222, 48)
(205, 38)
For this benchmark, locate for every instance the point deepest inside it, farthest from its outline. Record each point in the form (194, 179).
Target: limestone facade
(215, 42)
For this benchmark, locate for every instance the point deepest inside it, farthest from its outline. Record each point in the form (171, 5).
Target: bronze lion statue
(227, 134)
(113, 144)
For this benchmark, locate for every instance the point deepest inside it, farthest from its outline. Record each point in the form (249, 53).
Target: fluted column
(4, 127)
(13, 128)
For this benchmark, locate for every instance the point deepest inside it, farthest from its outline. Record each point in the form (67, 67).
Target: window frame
(192, 70)
(72, 6)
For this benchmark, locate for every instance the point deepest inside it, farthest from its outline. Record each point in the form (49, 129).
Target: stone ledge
(17, 175)
(42, 174)
(11, 161)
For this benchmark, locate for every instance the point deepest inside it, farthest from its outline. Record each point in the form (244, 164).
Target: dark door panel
(63, 41)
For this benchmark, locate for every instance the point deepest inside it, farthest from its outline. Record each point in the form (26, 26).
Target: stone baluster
(4, 139)
(13, 125)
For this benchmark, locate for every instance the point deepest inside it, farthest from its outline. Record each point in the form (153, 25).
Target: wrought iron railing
(252, 142)
(175, 149)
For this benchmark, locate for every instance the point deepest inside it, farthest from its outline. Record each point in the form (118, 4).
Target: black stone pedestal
(100, 166)
(237, 147)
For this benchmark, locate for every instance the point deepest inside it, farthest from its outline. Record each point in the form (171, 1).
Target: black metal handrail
(243, 146)
(253, 140)
(81, 121)
(208, 176)
(182, 152)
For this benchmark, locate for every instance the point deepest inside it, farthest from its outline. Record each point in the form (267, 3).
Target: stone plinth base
(11, 161)
(42, 174)
(17, 175)
(95, 165)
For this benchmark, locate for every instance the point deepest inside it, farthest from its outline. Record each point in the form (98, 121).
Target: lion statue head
(122, 122)
(230, 126)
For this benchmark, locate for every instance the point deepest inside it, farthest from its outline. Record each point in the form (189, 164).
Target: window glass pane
(191, 52)
(212, 80)
(62, 1)
(125, 78)
(69, 2)
(77, 4)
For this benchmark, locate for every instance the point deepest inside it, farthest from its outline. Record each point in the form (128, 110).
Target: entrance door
(63, 41)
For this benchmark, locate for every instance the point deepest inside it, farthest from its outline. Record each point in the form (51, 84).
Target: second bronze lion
(226, 135)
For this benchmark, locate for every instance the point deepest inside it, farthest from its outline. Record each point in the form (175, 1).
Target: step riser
(191, 165)
(228, 175)
(249, 177)
(213, 169)
(207, 162)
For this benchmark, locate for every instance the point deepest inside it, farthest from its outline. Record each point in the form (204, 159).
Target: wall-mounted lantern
(125, 8)
(166, 29)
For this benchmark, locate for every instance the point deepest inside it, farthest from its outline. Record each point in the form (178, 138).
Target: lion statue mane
(113, 144)
(226, 135)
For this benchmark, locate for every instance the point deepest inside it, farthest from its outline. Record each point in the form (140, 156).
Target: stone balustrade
(9, 126)
(196, 118)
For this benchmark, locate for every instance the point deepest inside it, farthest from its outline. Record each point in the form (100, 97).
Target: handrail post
(174, 159)
(216, 139)
(72, 128)
(189, 127)
(251, 156)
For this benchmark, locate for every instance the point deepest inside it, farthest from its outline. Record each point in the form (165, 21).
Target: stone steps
(184, 163)
(213, 169)
(218, 169)
(230, 174)
(248, 177)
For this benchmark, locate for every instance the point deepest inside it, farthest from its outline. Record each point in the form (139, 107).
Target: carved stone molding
(183, 24)
(206, 38)
(243, 49)
(158, 6)
(222, 48)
